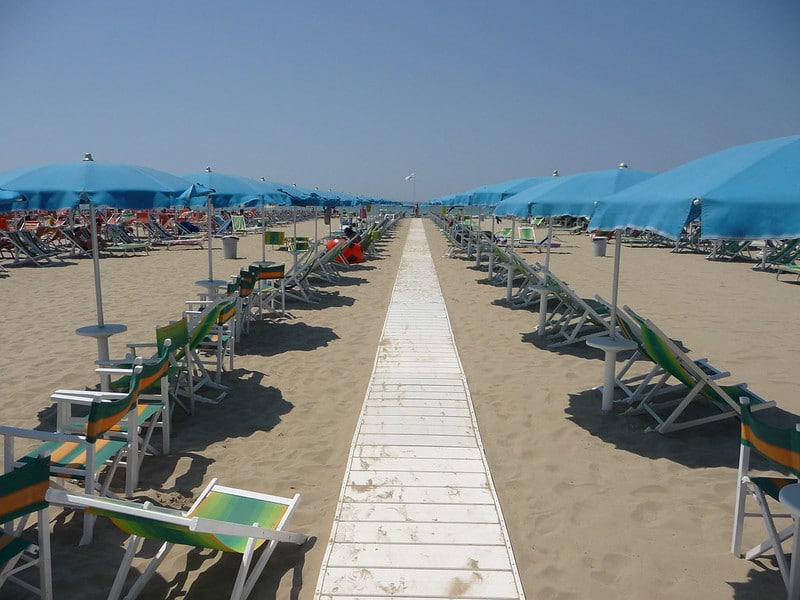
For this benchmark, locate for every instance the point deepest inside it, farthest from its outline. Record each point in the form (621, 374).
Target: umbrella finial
(87, 156)
(263, 179)
(555, 173)
(623, 165)
(208, 169)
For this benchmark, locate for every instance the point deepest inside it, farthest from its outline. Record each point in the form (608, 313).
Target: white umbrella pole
(315, 224)
(543, 295)
(510, 281)
(615, 282)
(263, 231)
(96, 263)
(491, 254)
(210, 257)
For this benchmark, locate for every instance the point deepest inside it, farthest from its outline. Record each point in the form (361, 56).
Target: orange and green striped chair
(84, 457)
(223, 518)
(270, 283)
(22, 493)
(247, 283)
(151, 394)
(780, 446)
(700, 386)
(221, 340)
(274, 238)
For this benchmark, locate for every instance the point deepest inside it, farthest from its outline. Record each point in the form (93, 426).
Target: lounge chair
(791, 269)
(161, 236)
(22, 493)
(573, 319)
(201, 325)
(781, 449)
(219, 342)
(269, 282)
(654, 381)
(700, 385)
(222, 518)
(785, 254)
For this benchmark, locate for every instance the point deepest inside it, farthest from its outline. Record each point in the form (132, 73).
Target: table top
(106, 330)
(790, 497)
(212, 282)
(604, 342)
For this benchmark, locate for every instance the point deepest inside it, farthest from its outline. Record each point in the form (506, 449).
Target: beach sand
(595, 507)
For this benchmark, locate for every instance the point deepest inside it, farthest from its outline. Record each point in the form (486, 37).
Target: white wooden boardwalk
(418, 515)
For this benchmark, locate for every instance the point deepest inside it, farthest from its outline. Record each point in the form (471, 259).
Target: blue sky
(353, 95)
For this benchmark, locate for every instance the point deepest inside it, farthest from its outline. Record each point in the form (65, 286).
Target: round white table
(611, 347)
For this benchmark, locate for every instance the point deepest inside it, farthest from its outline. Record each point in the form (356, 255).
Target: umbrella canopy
(489, 195)
(65, 185)
(11, 201)
(573, 195)
(229, 190)
(745, 192)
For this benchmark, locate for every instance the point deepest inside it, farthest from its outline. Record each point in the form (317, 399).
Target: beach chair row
(662, 380)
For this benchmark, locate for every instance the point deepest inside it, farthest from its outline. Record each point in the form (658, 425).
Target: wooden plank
(440, 452)
(433, 495)
(374, 478)
(416, 465)
(406, 556)
(387, 512)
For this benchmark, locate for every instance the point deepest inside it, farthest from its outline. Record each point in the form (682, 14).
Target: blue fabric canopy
(745, 192)
(228, 190)
(573, 195)
(65, 185)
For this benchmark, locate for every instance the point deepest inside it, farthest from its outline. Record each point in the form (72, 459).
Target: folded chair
(220, 341)
(222, 518)
(22, 493)
(781, 449)
(700, 385)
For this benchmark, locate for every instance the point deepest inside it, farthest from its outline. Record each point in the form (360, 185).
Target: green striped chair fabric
(22, 493)
(780, 446)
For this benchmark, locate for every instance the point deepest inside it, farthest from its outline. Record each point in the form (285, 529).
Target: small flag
(410, 176)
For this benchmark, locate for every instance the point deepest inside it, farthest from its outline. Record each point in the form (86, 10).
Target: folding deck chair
(83, 457)
(22, 493)
(573, 319)
(222, 518)
(635, 387)
(270, 282)
(700, 385)
(781, 449)
(201, 325)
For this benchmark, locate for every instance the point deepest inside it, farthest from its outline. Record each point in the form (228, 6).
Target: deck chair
(222, 518)
(700, 385)
(238, 225)
(24, 252)
(83, 458)
(152, 407)
(573, 319)
(786, 254)
(780, 447)
(544, 243)
(269, 281)
(526, 235)
(22, 493)
(635, 387)
(220, 341)
(120, 240)
(296, 283)
(201, 325)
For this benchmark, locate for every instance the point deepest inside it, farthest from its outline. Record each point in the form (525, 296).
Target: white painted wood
(418, 515)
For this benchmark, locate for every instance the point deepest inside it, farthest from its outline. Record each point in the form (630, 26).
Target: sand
(595, 507)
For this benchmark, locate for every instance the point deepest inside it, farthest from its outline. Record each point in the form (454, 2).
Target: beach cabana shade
(119, 186)
(745, 192)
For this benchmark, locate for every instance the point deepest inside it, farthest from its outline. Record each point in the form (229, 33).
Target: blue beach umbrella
(68, 185)
(745, 192)
(119, 186)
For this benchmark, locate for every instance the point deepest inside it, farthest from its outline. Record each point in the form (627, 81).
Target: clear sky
(353, 95)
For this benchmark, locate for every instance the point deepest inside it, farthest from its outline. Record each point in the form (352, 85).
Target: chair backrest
(104, 414)
(177, 334)
(777, 444)
(263, 273)
(227, 310)
(237, 222)
(208, 318)
(22, 491)
(247, 281)
(275, 238)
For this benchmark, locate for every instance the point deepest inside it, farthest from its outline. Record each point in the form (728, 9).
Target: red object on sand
(352, 254)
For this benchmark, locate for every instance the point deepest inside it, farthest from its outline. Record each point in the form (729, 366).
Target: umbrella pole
(510, 281)
(315, 224)
(96, 263)
(543, 295)
(491, 255)
(263, 232)
(208, 224)
(615, 282)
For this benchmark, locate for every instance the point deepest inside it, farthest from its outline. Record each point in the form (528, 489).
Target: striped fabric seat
(780, 446)
(222, 518)
(22, 493)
